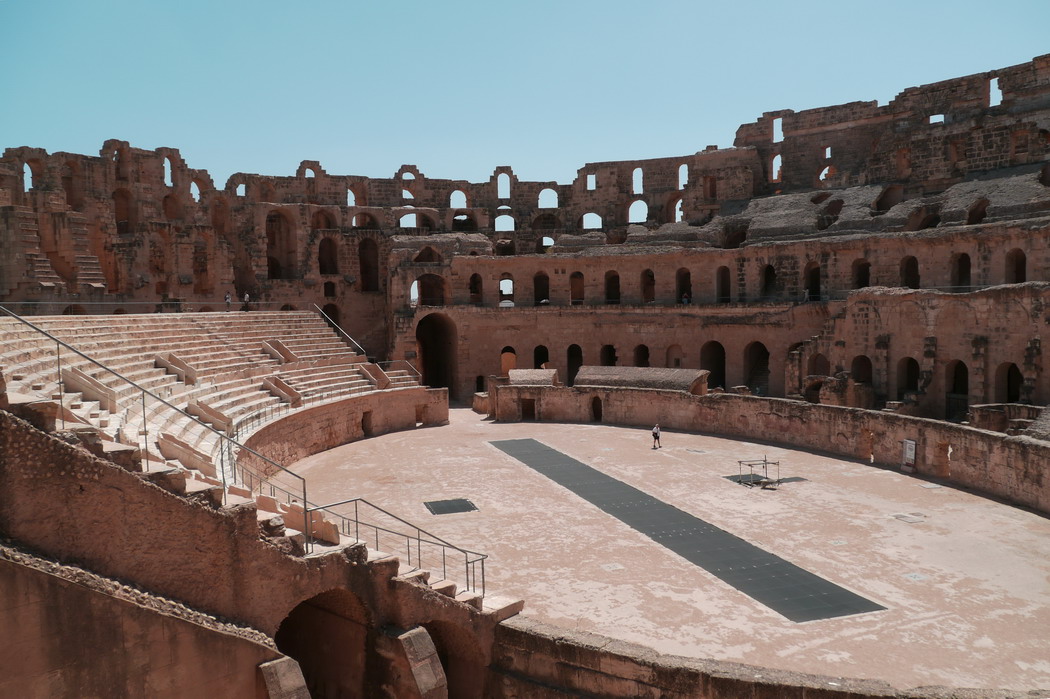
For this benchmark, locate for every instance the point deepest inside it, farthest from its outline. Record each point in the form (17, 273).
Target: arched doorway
(461, 658)
(608, 356)
(957, 391)
(332, 311)
(327, 636)
(756, 368)
(573, 362)
(648, 286)
(368, 264)
(813, 292)
(1008, 383)
(508, 360)
(540, 356)
(612, 287)
(683, 286)
(713, 359)
(907, 377)
(819, 365)
(328, 257)
(541, 288)
(596, 409)
(641, 355)
(437, 341)
(722, 293)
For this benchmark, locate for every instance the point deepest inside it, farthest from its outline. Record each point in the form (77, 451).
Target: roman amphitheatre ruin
(334, 435)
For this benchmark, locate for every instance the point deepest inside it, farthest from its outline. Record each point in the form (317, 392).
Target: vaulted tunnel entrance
(436, 336)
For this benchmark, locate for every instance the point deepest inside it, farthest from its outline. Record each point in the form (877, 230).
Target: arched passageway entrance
(436, 338)
(327, 636)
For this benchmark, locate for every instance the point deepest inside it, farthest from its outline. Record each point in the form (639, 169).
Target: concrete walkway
(965, 580)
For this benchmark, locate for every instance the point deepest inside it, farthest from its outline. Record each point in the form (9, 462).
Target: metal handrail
(470, 564)
(146, 392)
(335, 325)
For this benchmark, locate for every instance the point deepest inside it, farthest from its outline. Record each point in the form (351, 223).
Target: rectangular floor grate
(448, 507)
(782, 586)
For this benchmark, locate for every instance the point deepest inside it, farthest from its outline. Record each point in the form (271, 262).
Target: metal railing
(233, 469)
(227, 445)
(421, 549)
(334, 325)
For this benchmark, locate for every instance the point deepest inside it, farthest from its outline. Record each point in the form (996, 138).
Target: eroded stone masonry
(856, 254)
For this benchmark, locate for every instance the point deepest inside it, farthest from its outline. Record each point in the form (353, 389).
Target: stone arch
(756, 368)
(641, 355)
(956, 390)
(612, 287)
(328, 636)
(573, 362)
(723, 293)
(508, 360)
(541, 288)
(431, 290)
(576, 288)
(683, 285)
(907, 377)
(818, 365)
(464, 223)
(713, 359)
(608, 357)
(960, 272)
(506, 288)
(1016, 271)
(437, 340)
(548, 199)
(428, 255)
(769, 283)
(461, 657)
(638, 212)
(1009, 383)
(910, 272)
(674, 357)
(280, 245)
(540, 356)
(475, 288)
(811, 280)
(860, 369)
(596, 409)
(328, 256)
(647, 282)
(860, 271)
(457, 199)
(368, 264)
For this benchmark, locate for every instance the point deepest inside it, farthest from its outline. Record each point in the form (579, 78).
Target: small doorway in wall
(596, 409)
(421, 415)
(366, 424)
(528, 409)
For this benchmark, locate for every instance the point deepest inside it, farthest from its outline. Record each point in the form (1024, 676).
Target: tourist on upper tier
(228, 299)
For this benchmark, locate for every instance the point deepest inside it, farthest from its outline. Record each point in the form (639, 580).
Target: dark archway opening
(713, 359)
(541, 289)
(612, 287)
(756, 368)
(608, 355)
(540, 356)
(328, 257)
(573, 362)
(596, 409)
(960, 279)
(722, 292)
(907, 378)
(437, 341)
(957, 397)
(1008, 383)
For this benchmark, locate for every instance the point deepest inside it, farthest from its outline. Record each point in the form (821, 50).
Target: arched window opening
(548, 199)
(648, 286)
(504, 222)
(573, 362)
(638, 213)
(280, 246)
(591, 222)
(775, 167)
(678, 215)
(71, 186)
(769, 283)
(457, 200)
(431, 290)
(1008, 383)
(1016, 267)
(813, 291)
(328, 257)
(907, 378)
(240, 190)
(910, 272)
(540, 357)
(437, 339)
(818, 366)
(541, 289)
(351, 197)
(27, 177)
(960, 274)
(735, 233)
(924, 217)
(475, 289)
(428, 255)
(168, 166)
(722, 291)
(195, 191)
(407, 195)
(713, 359)
(756, 368)
(957, 395)
(322, 221)
(641, 356)
(576, 294)
(407, 221)
(329, 289)
(637, 181)
(995, 94)
(861, 274)
(777, 129)
(683, 176)
(612, 287)
(608, 356)
(506, 290)
(368, 260)
(508, 360)
(413, 293)
(505, 246)
(860, 369)
(977, 211)
(464, 223)
(122, 211)
(827, 172)
(544, 243)
(503, 186)
(683, 286)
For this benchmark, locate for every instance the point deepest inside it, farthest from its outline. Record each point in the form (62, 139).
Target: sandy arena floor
(967, 587)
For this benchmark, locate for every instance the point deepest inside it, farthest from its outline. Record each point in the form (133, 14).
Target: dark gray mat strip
(782, 586)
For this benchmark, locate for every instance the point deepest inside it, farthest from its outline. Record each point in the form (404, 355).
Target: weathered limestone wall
(1012, 468)
(67, 632)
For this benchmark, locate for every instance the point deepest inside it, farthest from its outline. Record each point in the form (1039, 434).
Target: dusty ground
(967, 587)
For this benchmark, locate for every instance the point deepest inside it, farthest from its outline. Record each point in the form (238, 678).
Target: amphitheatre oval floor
(965, 581)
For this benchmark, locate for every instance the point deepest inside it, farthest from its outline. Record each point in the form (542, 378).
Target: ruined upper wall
(846, 145)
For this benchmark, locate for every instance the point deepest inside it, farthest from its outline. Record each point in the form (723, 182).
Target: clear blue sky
(459, 88)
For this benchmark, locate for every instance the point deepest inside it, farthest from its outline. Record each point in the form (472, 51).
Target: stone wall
(68, 632)
(1012, 468)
